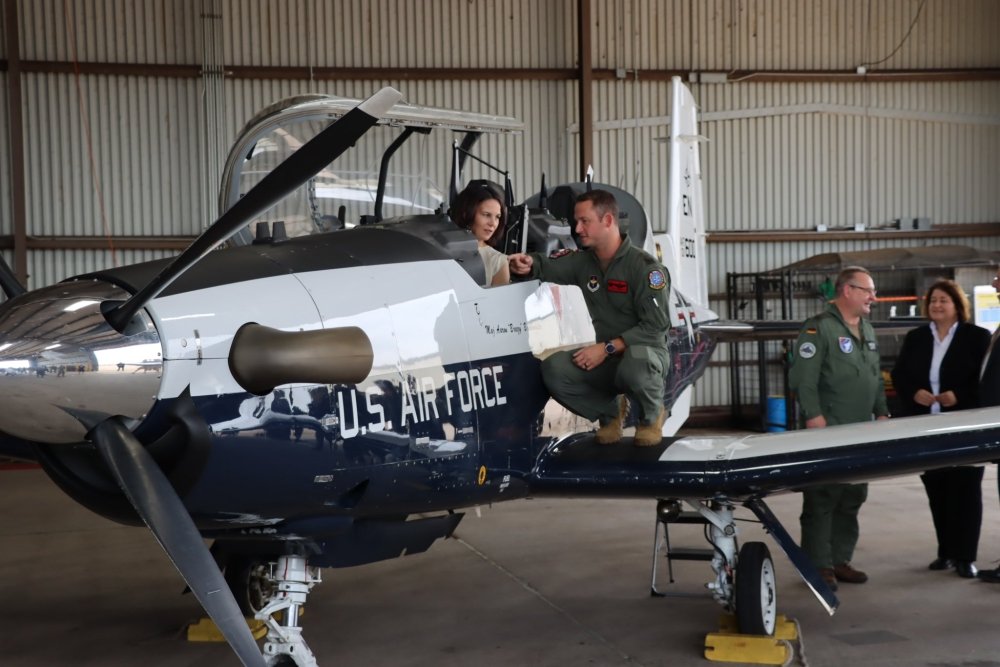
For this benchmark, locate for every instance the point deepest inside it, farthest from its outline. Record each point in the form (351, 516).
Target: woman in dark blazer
(938, 371)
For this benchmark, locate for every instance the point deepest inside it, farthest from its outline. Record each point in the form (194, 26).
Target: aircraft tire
(247, 579)
(756, 590)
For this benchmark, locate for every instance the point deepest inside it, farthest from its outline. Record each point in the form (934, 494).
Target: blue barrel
(777, 415)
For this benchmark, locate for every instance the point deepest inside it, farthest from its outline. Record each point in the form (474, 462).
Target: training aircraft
(364, 377)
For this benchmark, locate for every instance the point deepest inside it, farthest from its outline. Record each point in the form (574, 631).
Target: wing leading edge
(754, 466)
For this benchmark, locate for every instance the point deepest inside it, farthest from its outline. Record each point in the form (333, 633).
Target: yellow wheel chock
(205, 630)
(727, 645)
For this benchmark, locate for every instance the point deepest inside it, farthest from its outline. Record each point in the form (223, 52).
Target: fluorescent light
(53, 346)
(5, 346)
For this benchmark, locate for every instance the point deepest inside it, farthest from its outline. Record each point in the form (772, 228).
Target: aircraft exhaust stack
(262, 358)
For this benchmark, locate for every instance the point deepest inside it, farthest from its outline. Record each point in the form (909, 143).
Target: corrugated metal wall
(107, 154)
(401, 33)
(112, 31)
(781, 156)
(734, 35)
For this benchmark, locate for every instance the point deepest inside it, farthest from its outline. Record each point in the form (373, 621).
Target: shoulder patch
(807, 350)
(657, 279)
(562, 252)
(810, 331)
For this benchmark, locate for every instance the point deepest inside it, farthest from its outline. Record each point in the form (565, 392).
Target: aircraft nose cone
(62, 364)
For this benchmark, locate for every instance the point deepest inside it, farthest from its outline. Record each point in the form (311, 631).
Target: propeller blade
(302, 165)
(11, 286)
(154, 498)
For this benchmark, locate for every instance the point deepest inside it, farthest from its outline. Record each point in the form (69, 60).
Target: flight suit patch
(871, 345)
(807, 350)
(562, 252)
(846, 344)
(656, 279)
(593, 284)
(618, 286)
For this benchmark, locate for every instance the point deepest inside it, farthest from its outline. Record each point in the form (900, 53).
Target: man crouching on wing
(626, 292)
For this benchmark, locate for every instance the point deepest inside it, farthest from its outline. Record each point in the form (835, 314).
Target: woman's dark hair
(463, 213)
(954, 292)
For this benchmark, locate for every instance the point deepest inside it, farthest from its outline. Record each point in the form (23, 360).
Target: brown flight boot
(848, 575)
(650, 435)
(611, 433)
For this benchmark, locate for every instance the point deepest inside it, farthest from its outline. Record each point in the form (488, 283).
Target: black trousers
(956, 500)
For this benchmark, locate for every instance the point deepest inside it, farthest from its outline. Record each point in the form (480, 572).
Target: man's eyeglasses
(870, 290)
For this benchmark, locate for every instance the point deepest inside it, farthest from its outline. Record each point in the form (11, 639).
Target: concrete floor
(535, 582)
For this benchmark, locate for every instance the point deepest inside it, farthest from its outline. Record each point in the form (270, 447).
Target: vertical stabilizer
(686, 210)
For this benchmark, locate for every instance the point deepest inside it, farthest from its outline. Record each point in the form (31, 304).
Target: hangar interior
(832, 127)
(858, 118)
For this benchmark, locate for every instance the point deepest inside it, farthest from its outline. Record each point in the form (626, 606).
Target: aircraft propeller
(9, 283)
(134, 468)
(153, 497)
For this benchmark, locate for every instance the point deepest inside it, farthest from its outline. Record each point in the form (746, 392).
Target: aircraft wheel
(248, 580)
(756, 590)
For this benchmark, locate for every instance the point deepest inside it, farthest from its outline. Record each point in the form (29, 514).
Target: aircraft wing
(747, 330)
(754, 466)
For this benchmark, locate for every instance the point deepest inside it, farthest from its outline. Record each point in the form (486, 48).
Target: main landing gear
(265, 589)
(745, 581)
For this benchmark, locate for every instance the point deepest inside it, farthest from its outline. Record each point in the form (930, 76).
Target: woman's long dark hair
(463, 213)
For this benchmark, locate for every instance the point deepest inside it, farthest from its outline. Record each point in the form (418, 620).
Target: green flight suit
(837, 375)
(627, 300)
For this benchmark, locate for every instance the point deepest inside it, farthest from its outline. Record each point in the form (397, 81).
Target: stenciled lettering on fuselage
(420, 399)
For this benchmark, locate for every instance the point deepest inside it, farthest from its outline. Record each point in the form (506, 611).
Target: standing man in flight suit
(626, 292)
(837, 379)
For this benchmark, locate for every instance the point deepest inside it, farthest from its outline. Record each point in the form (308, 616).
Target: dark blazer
(959, 368)
(989, 386)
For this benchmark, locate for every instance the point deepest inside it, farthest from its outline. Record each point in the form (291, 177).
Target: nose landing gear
(290, 580)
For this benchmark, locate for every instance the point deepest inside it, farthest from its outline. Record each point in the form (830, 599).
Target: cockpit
(396, 169)
(396, 172)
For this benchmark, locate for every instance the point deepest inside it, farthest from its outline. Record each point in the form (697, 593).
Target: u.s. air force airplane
(318, 392)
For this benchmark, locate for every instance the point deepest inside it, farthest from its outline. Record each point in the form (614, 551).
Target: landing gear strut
(291, 580)
(745, 582)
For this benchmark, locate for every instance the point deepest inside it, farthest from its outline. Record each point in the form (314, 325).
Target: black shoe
(990, 576)
(965, 569)
(940, 564)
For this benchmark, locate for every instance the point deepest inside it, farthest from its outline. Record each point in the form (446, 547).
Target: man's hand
(816, 422)
(924, 398)
(947, 399)
(590, 357)
(520, 264)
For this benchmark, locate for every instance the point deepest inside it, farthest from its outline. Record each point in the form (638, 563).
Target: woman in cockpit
(480, 209)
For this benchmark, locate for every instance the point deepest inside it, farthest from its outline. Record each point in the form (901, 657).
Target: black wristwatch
(609, 348)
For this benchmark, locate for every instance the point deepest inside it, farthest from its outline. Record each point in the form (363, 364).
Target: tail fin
(685, 207)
